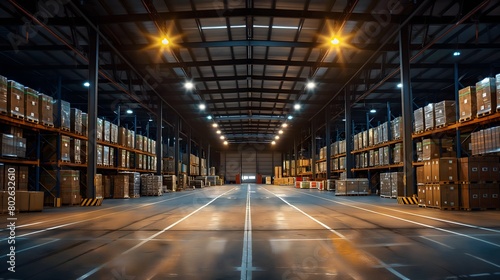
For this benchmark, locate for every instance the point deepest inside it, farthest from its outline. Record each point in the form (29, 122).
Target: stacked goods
(131, 159)
(419, 125)
(197, 184)
(419, 149)
(8, 147)
(3, 95)
(62, 111)
(467, 103)
(440, 176)
(49, 148)
(114, 134)
(341, 187)
(383, 135)
(75, 151)
(169, 183)
(107, 131)
(151, 185)
(122, 136)
(365, 139)
(486, 141)
(212, 180)
(15, 99)
(371, 141)
(131, 139)
(330, 185)
(498, 91)
(107, 182)
(76, 121)
(322, 153)
(212, 172)
(342, 147)
(111, 156)
(134, 180)
(46, 110)
(139, 140)
(434, 148)
(182, 181)
(359, 186)
(105, 156)
(375, 135)
(139, 161)
(122, 158)
(444, 113)
(99, 128)
(479, 177)
(31, 108)
(355, 144)
(341, 163)
(98, 186)
(429, 117)
(383, 154)
(121, 186)
(485, 97)
(397, 128)
(398, 153)
(99, 151)
(85, 122)
(69, 185)
(391, 183)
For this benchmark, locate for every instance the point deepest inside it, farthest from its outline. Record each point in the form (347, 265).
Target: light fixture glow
(202, 106)
(150, 119)
(165, 41)
(219, 132)
(373, 111)
(222, 137)
(335, 41)
(290, 117)
(400, 85)
(209, 117)
(273, 143)
(129, 111)
(296, 106)
(284, 125)
(311, 85)
(86, 84)
(225, 142)
(457, 53)
(189, 85)
(280, 132)
(214, 125)
(276, 137)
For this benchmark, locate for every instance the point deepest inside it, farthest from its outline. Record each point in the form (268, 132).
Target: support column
(313, 151)
(407, 112)
(159, 139)
(189, 152)
(208, 160)
(118, 115)
(92, 112)
(176, 146)
(295, 157)
(328, 144)
(348, 134)
(457, 102)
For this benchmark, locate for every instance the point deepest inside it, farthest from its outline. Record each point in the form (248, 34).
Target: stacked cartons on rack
(134, 187)
(99, 129)
(85, 122)
(419, 120)
(169, 183)
(7, 145)
(69, 185)
(49, 148)
(105, 156)
(114, 133)
(445, 113)
(99, 186)
(397, 128)
(107, 182)
(76, 121)
(486, 97)
(139, 141)
(151, 185)
(15, 99)
(479, 177)
(398, 153)
(107, 131)
(441, 178)
(391, 183)
(486, 141)
(121, 186)
(31, 108)
(62, 108)
(99, 153)
(122, 136)
(75, 150)
(429, 117)
(3, 95)
(467, 103)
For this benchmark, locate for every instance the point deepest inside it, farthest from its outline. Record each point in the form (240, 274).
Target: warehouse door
(232, 165)
(265, 164)
(248, 165)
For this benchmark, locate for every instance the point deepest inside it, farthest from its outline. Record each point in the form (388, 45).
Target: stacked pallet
(352, 186)
(479, 182)
(134, 181)
(391, 183)
(121, 186)
(440, 187)
(69, 185)
(151, 185)
(169, 183)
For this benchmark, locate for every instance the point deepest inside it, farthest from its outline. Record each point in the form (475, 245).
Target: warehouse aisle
(256, 232)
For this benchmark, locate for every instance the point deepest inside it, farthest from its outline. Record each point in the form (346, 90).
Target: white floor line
(437, 242)
(32, 247)
(481, 259)
(382, 264)
(246, 258)
(408, 221)
(90, 273)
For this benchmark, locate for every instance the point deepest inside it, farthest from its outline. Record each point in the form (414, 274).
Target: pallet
(65, 129)
(4, 112)
(442, 125)
(32, 121)
(484, 114)
(65, 160)
(16, 116)
(454, 208)
(78, 162)
(135, 196)
(47, 124)
(387, 196)
(418, 132)
(466, 119)
(429, 129)
(77, 132)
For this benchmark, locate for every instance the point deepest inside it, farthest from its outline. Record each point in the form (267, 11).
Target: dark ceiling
(250, 61)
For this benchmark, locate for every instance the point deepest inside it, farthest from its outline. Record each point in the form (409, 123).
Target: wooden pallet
(32, 121)
(466, 119)
(16, 116)
(47, 124)
(484, 114)
(65, 129)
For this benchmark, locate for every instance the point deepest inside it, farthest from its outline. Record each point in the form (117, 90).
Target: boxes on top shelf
(429, 117)
(114, 133)
(76, 120)
(365, 139)
(15, 99)
(85, 122)
(139, 142)
(3, 95)
(130, 139)
(75, 150)
(99, 129)
(31, 110)
(486, 96)
(62, 110)
(419, 119)
(397, 128)
(445, 113)
(371, 139)
(46, 109)
(497, 82)
(467, 103)
(444, 170)
(107, 131)
(7, 146)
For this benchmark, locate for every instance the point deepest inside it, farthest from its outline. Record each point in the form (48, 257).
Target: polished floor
(254, 232)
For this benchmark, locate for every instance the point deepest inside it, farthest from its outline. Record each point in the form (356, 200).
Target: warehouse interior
(103, 101)
(240, 139)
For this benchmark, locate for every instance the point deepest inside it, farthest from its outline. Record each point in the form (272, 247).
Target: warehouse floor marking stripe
(486, 261)
(382, 264)
(246, 258)
(406, 220)
(152, 237)
(32, 247)
(98, 217)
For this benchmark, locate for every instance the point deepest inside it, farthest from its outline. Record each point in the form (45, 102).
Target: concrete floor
(254, 232)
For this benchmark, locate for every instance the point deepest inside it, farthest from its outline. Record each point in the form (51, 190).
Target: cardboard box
(76, 120)
(46, 109)
(15, 99)
(445, 113)
(429, 194)
(421, 195)
(446, 196)
(444, 170)
(429, 117)
(420, 175)
(467, 103)
(31, 99)
(35, 201)
(486, 96)
(3, 94)
(431, 149)
(470, 196)
(419, 120)
(99, 129)
(62, 114)
(468, 170)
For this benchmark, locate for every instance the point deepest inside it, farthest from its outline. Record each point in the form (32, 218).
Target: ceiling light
(222, 137)
(189, 85)
(311, 85)
(456, 53)
(335, 41)
(296, 106)
(343, 120)
(202, 106)
(373, 111)
(150, 119)
(284, 125)
(290, 117)
(129, 111)
(273, 143)
(400, 85)
(222, 27)
(165, 41)
(214, 125)
(225, 142)
(219, 132)
(209, 117)
(86, 84)
(276, 27)
(276, 137)
(280, 132)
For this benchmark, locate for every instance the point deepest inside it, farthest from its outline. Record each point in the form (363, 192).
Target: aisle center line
(246, 258)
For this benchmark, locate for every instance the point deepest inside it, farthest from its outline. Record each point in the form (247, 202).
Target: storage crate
(121, 186)
(31, 110)
(419, 120)
(114, 133)
(62, 111)
(444, 170)
(3, 95)
(76, 121)
(429, 117)
(467, 103)
(107, 131)
(8, 147)
(75, 150)
(99, 129)
(445, 113)
(486, 96)
(15, 99)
